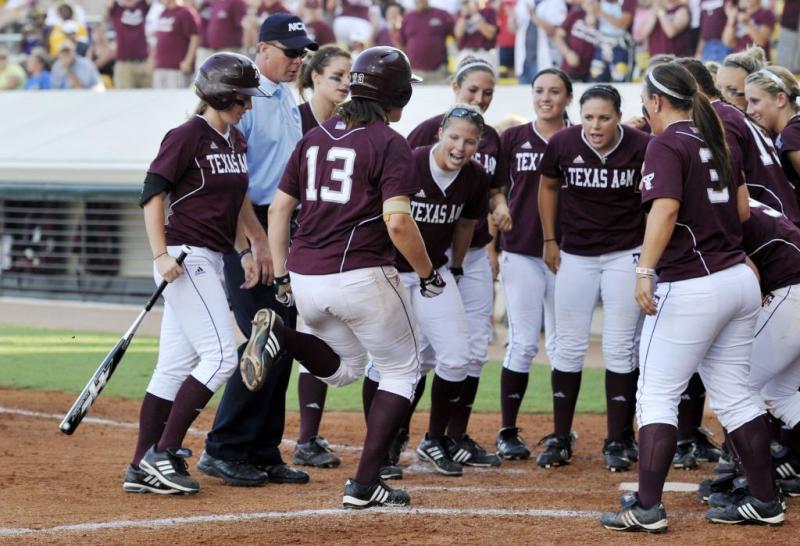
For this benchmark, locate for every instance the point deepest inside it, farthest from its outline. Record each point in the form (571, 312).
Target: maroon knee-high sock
(418, 392)
(620, 399)
(790, 437)
(192, 397)
(311, 393)
(690, 409)
(444, 396)
(566, 386)
(385, 416)
(512, 390)
(657, 444)
(459, 417)
(312, 352)
(751, 443)
(152, 419)
(368, 390)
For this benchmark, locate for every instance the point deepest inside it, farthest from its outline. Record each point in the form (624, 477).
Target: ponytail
(707, 121)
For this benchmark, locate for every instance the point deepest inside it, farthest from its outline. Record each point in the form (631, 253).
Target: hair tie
(666, 90)
(475, 64)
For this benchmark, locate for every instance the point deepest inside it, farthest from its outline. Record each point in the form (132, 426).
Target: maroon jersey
(790, 18)
(712, 19)
(307, 119)
(679, 45)
(708, 234)
(582, 39)
(225, 23)
(472, 38)
(264, 10)
(762, 18)
(488, 155)
(321, 32)
(753, 152)
(356, 8)
(128, 25)
(204, 14)
(789, 141)
(436, 212)
(424, 34)
(342, 177)
(773, 243)
(599, 202)
(208, 172)
(175, 27)
(524, 148)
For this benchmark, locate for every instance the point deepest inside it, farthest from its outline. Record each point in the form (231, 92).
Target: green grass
(56, 360)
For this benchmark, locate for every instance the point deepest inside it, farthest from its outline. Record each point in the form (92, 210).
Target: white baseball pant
(197, 333)
(704, 325)
(775, 363)
(477, 294)
(529, 289)
(579, 281)
(359, 312)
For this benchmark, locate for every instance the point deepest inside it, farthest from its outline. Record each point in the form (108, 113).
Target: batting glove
(283, 290)
(432, 285)
(457, 272)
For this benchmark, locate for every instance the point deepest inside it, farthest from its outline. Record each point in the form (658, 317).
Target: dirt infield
(67, 490)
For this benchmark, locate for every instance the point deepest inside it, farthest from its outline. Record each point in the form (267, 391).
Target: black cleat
(434, 452)
(316, 453)
(748, 509)
(357, 496)
(722, 483)
(510, 444)
(170, 468)
(139, 481)
(467, 452)
(235, 473)
(737, 491)
(684, 456)
(705, 450)
(790, 487)
(633, 517)
(390, 471)
(283, 473)
(557, 452)
(263, 348)
(631, 447)
(614, 456)
(785, 462)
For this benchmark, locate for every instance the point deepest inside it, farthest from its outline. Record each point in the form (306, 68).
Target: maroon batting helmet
(382, 74)
(224, 75)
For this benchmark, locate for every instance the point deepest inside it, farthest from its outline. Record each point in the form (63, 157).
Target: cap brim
(300, 41)
(416, 79)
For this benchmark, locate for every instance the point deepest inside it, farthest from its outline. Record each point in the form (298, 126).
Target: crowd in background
(61, 44)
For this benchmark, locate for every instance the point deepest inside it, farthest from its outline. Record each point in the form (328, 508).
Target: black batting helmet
(224, 75)
(382, 74)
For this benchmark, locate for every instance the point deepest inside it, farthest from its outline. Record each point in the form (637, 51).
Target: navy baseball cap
(287, 29)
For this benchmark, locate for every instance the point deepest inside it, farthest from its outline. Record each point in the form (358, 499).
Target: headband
(776, 80)
(478, 63)
(666, 90)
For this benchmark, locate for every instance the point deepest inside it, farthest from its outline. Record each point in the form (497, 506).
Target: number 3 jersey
(708, 235)
(342, 177)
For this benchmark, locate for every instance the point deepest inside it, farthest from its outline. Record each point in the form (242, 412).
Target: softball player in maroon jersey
(704, 310)
(202, 167)
(528, 285)
(772, 94)
(353, 176)
(473, 83)
(590, 174)
(452, 199)
(328, 75)
(773, 244)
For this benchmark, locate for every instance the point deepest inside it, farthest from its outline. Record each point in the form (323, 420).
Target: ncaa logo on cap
(294, 27)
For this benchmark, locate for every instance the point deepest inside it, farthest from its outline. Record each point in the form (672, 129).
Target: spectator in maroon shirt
(127, 17)
(424, 35)
(177, 40)
(476, 29)
(225, 30)
(748, 24)
(789, 45)
(577, 38)
(389, 35)
(712, 23)
(667, 25)
(316, 27)
(353, 22)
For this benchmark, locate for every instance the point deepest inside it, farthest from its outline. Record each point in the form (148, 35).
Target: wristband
(646, 271)
(245, 252)
(162, 254)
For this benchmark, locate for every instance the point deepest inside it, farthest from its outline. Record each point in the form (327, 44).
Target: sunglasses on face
(242, 101)
(465, 113)
(291, 53)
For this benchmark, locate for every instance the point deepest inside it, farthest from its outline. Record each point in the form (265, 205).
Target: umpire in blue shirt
(242, 447)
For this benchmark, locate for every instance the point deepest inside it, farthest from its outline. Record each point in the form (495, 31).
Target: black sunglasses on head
(466, 113)
(291, 53)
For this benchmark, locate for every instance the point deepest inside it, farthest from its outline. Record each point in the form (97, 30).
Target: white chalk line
(482, 490)
(675, 487)
(10, 532)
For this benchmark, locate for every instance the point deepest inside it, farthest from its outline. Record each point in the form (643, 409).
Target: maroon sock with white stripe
(316, 355)
(657, 443)
(192, 397)
(386, 414)
(566, 386)
(152, 420)
(444, 396)
(620, 403)
(512, 390)
(751, 443)
(311, 393)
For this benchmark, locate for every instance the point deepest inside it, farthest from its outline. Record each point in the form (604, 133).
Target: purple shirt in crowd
(712, 19)
(679, 45)
(175, 27)
(599, 201)
(789, 141)
(423, 34)
(436, 212)
(708, 234)
(582, 39)
(472, 38)
(128, 25)
(225, 24)
(356, 8)
(773, 243)
(524, 148)
(489, 155)
(341, 225)
(208, 172)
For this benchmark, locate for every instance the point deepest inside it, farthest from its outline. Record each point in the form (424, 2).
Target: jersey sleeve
(420, 136)
(790, 138)
(290, 181)
(550, 164)
(662, 173)
(175, 155)
(397, 177)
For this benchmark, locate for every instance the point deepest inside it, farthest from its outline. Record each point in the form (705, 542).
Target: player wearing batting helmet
(202, 168)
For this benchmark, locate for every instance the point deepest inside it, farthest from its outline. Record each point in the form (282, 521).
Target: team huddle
(684, 222)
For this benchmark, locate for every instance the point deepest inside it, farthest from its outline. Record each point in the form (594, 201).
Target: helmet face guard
(382, 74)
(223, 76)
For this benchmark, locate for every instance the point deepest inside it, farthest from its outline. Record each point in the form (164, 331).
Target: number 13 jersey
(342, 176)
